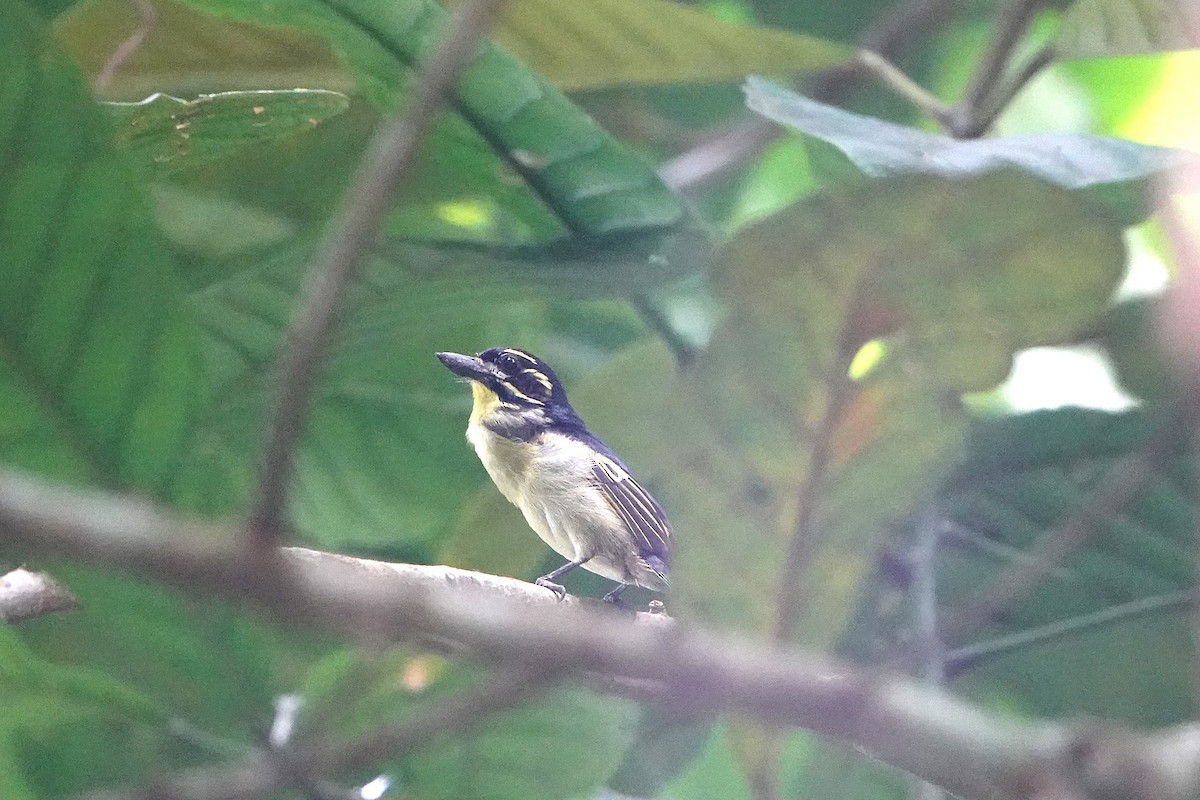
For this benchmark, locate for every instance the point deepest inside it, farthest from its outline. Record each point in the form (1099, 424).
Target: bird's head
(509, 379)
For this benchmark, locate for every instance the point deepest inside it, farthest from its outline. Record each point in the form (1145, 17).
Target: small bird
(574, 492)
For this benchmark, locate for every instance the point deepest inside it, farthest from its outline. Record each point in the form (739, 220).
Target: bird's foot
(614, 597)
(558, 589)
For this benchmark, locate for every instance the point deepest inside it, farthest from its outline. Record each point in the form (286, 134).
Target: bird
(572, 489)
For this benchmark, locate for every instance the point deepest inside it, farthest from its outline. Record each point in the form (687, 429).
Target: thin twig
(267, 772)
(805, 536)
(968, 751)
(981, 119)
(25, 595)
(895, 79)
(971, 655)
(1019, 579)
(390, 156)
(146, 21)
(652, 314)
(731, 146)
(1012, 21)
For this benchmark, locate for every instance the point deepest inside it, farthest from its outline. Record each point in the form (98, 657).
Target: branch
(891, 76)
(1011, 23)
(805, 538)
(732, 145)
(390, 156)
(969, 656)
(266, 772)
(984, 97)
(26, 595)
(964, 749)
(1021, 578)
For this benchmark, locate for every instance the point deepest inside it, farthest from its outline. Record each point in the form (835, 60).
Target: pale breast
(506, 461)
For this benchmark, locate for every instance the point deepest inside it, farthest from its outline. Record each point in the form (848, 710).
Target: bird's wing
(637, 509)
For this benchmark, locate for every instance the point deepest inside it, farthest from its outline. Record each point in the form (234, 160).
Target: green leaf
(715, 775)
(97, 351)
(1022, 477)
(12, 783)
(1114, 170)
(815, 767)
(562, 745)
(595, 185)
(187, 53)
(167, 133)
(1092, 28)
(972, 270)
(576, 46)
(383, 465)
(63, 693)
(621, 42)
(621, 265)
(667, 741)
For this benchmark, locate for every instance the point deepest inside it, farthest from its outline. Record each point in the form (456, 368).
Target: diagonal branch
(266, 772)
(960, 747)
(390, 156)
(1021, 578)
(969, 656)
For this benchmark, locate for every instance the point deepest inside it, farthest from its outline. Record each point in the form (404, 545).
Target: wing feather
(640, 512)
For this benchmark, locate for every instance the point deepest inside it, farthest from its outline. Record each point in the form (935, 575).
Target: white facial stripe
(521, 394)
(521, 354)
(540, 378)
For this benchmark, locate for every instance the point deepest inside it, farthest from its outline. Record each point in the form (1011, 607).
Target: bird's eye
(506, 361)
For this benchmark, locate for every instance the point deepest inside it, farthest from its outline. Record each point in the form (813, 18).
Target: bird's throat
(486, 402)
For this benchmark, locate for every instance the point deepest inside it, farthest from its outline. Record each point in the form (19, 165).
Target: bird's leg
(614, 596)
(547, 581)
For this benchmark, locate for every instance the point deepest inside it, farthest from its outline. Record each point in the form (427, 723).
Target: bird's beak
(470, 367)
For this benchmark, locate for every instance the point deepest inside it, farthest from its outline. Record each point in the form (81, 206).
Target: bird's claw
(558, 589)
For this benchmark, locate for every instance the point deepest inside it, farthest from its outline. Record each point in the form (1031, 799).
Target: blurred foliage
(811, 376)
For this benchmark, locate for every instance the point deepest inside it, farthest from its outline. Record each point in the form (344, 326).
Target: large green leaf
(167, 133)
(561, 744)
(595, 185)
(1106, 632)
(98, 353)
(951, 277)
(616, 42)
(574, 46)
(1115, 170)
(383, 464)
(715, 775)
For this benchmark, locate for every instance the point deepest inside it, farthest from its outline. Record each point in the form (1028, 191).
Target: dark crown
(524, 378)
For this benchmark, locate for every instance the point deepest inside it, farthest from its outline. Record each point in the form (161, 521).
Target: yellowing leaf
(613, 42)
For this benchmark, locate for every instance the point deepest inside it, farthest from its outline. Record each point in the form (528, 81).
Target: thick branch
(25, 595)
(391, 154)
(966, 750)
